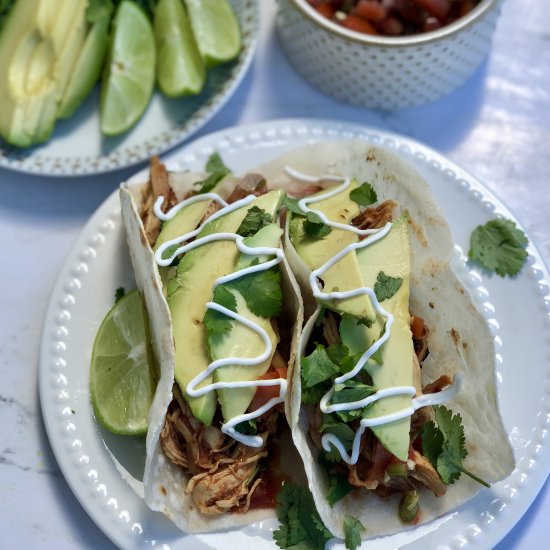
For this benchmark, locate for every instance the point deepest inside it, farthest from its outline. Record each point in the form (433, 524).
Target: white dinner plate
(78, 148)
(100, 467)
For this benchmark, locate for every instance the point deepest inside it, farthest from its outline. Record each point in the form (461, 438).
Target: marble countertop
(496, 126)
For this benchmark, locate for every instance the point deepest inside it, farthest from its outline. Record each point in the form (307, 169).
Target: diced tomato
(327, 10)
(370, 10)
(265, 393)
(356, 23)
(437, 8)
(391, 27)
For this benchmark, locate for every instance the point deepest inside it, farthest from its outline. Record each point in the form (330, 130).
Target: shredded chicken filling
(224, 474)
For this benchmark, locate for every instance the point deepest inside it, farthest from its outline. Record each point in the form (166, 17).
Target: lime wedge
(122, 371)
(216, 30)
(180, 69)
(129, 76)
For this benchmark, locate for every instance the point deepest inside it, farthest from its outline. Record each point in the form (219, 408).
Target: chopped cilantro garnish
(386, 286)
(119, 293)
(301, 527)
(255, 219)
(315, 227)
(338, 484)
(318, 367)
(350, 391)
(261, 291)
(292, 204)
(214, 321)
(332, 424)
(364, 194)
(444, 446)
(499, 246)
(217, 170)
(247, 428)
(215, 165)
(352, 532)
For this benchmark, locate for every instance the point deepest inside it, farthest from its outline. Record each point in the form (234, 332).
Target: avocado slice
(344, 275)
(37, 44)
(87, 68)
(392, 256)
(242, 341)
(191, 289)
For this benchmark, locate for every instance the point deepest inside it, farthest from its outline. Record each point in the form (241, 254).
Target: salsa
(393, 17)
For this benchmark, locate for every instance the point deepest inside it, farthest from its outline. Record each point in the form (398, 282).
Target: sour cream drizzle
(191, 389)
(329, 440)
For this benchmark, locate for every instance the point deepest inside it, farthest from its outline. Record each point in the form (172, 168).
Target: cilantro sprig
(444, 446)
(255, 219)
(385, 286)
(261, 291)
(352, 532)
(215, 321)
(338, 484)
(364, 195)
(217, 171)
(300, 526)
(499, 246)
(315, 227)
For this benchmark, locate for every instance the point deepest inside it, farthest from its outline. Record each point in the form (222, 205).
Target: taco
(393, 399)
(225, 316)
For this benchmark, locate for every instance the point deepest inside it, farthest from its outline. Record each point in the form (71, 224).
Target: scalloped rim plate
(97, 466)
(77, 147)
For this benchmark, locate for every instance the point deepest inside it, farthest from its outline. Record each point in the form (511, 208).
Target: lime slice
(180, 69)
(216, 30)
(129, 76)
(122, 371)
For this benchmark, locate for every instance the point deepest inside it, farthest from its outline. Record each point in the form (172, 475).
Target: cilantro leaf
(217, 169)
(351, 390)
(255, 219)
(300, 526)
(119, 293)
(215, 165)
(315, 227)
(313, 395)
(338, 484)
(352, 532)
(432, 442)
(339, 354)
(364, 195)
(261, 291)
(247, 428)
(386, 286)
(333, 425)
(292, 205)
(444, 446)
(214, 321)
(338, 488)
(317, 367)
(499, 246)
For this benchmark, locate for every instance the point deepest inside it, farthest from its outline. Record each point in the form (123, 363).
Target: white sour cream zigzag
(191, 389)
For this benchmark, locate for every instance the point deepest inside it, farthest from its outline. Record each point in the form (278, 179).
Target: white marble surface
(497, 126)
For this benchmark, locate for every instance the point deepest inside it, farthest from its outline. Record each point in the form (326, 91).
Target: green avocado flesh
(87, 67)
(191, 289)
(344, 275)
(242, 341)
(40, 46)
(390, 255)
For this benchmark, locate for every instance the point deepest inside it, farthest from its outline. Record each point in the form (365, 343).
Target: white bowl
(385, 72)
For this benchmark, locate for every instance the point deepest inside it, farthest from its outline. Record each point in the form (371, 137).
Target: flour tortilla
(459, 341)
(164, 483)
